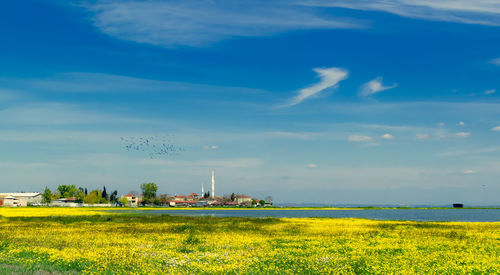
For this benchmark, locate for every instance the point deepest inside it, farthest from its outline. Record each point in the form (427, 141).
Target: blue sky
(335, 102)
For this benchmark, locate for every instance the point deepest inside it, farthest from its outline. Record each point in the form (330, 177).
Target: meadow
(88, 241)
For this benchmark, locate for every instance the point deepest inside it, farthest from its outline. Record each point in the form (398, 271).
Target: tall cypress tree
(104, 193)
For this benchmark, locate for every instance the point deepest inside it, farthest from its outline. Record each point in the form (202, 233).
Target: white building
(241, 199)
(66, 202)
(132, 200)
(26, 199)
(9, 201)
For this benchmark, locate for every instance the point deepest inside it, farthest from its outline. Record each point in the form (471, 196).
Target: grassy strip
(15, 266)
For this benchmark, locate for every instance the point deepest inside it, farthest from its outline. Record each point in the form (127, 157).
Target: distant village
(71, 196)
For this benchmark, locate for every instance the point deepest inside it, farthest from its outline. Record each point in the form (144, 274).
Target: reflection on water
(463, 215)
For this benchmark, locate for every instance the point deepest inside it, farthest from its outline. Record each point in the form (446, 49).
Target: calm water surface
(461, 215)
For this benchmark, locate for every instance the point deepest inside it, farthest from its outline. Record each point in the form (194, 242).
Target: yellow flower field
(88, 241)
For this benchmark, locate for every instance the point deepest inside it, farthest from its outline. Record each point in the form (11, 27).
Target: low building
(66, 202)
(179, 198)
(9, 201)
(183, 203)
(243, 199)
(201, 203)
(26, 199)
(231, 203)
(214, 203)
(132, 200)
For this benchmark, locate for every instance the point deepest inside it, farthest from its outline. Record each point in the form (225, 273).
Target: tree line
(80, 194)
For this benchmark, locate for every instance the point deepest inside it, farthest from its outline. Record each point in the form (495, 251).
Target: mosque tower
(213, 184)
(202, 191)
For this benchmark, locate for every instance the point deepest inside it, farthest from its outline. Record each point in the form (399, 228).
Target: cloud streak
(495, 61)
(483, 12)
(58, 114)
(85, 82)
(199, 23)
(329, 78)
(374, 86)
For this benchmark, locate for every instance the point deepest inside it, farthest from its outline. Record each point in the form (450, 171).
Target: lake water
(461, 215)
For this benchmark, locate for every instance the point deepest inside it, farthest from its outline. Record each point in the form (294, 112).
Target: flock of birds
(154, 146)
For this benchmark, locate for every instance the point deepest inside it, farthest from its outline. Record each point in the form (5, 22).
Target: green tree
(95, 196)
(233, 197)
(124, 201)
(262, 202)
(67, 191)
(113, 198)
(148, 192)
(47, 196)
(80, 196)
(104, 194)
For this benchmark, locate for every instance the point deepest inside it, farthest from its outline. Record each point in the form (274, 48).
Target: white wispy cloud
(198, 23)
(495, 61)
(484, 12)
(461, 123)
(387, 136)
(374, 86)
(469, 172)
(463, 134)
(210, 147)
(312, 165)
(359, 138)
(490, 91)
(496, 129)
(329, 78)
(58, 114)
(85, 82)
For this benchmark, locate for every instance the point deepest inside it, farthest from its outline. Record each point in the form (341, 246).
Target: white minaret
(213, 184)
(202, 191)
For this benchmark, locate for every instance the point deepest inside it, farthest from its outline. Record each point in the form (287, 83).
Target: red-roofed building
(179, 198)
